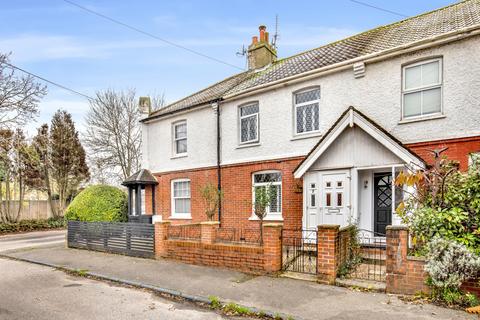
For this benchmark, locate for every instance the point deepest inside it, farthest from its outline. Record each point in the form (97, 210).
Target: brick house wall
(237, 189)
(458, 149)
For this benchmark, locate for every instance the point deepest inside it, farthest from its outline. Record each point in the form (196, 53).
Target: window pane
(247, 110)
(267, 177)
(248, 129)
(412, 104)
(413, 77)
(431, 101)
(328, 199)
(181, 130)
(339, 199)
(275, 201)
(181, 146)
(182, 205)
(308, 118)
(307, 96)
(430, 73)
(181, 189)
(313, 198)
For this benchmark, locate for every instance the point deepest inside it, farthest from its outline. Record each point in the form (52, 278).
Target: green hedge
(98, 203)
(32, 225)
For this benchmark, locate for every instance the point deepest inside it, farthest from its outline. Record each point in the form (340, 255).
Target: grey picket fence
(133, 239)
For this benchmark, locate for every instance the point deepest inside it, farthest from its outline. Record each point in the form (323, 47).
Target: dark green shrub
(98, 203)
(32, 225)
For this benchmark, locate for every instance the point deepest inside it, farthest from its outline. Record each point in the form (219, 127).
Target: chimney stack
(261, 52)
(145, 105)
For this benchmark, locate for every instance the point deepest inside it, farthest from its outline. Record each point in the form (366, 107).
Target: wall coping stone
(162, 222)
(210, 223)
(414, 258)
(273, 225)
(350, 226)
(328, 226)
(399, 227)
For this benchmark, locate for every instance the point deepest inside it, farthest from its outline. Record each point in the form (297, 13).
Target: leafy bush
(99, 203)
(32, 225)
(449, 264)
(445, 203)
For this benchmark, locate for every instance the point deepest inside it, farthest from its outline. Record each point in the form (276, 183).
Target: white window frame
(175, 139)
(296, 106)
(272, 216)
(174, 214)
(240, 118)
(423, 88)
(471, 157)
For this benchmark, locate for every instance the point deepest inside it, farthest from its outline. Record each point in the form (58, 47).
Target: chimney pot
(254, 40)
(262, 33)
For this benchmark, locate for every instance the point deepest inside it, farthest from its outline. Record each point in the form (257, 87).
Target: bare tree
(113, 135)
(19, 95)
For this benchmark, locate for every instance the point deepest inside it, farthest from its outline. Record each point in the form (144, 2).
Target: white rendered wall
(377, 95)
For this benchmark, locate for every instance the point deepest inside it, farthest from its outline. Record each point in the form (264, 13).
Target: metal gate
(369, 256)
(299, 250)
(133, 239)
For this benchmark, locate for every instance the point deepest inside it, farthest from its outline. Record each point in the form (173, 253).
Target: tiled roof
(142, 177)
(448, 19)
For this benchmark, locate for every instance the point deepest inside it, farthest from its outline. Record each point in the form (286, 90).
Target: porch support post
(138, 200)
(129, 201)
(153, 200)
(393, 191)
(354, 212)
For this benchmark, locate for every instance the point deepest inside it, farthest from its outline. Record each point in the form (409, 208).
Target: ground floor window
(181, 199)
(273, 180)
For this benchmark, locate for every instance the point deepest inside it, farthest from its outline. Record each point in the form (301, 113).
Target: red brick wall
(237, 190)
(458, 149)
(406, 275)
(250, 258)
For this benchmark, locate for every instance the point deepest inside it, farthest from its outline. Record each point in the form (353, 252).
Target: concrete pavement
(30, 291)
(301, 299)
(32, 239)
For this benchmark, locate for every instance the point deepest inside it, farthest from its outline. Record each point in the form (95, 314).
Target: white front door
(311, 202)
(335, 204)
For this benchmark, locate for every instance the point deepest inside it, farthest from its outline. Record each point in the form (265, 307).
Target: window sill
(177, 156)
(179, 217)
(306, 136)
(418, 119)
(270, 217)
(248, 145)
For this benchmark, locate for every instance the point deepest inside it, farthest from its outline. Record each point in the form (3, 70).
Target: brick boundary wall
(333, 245)
(405, 274)
(255, 259)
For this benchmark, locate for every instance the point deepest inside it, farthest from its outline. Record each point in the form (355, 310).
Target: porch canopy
(136, 184)
(350, 147)
(348, 175)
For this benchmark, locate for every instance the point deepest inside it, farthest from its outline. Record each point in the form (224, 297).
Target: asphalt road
(31, 240)
(30, 291)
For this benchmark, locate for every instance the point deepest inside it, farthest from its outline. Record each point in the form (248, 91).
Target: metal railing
(185, 232)
(238, 235)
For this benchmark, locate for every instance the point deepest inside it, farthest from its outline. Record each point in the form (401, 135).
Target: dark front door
(382, 201)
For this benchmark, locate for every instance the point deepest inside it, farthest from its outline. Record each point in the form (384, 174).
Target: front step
(370, 285)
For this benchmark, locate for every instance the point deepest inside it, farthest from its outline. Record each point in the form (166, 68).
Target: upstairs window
(249, 123)
(306, 111)
(181, 199)
(422, 88)
(180, 138)
(273, 180)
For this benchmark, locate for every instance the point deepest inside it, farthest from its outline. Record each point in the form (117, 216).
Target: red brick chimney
(261, 52)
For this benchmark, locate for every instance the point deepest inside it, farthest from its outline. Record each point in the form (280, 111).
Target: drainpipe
(216, 109)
